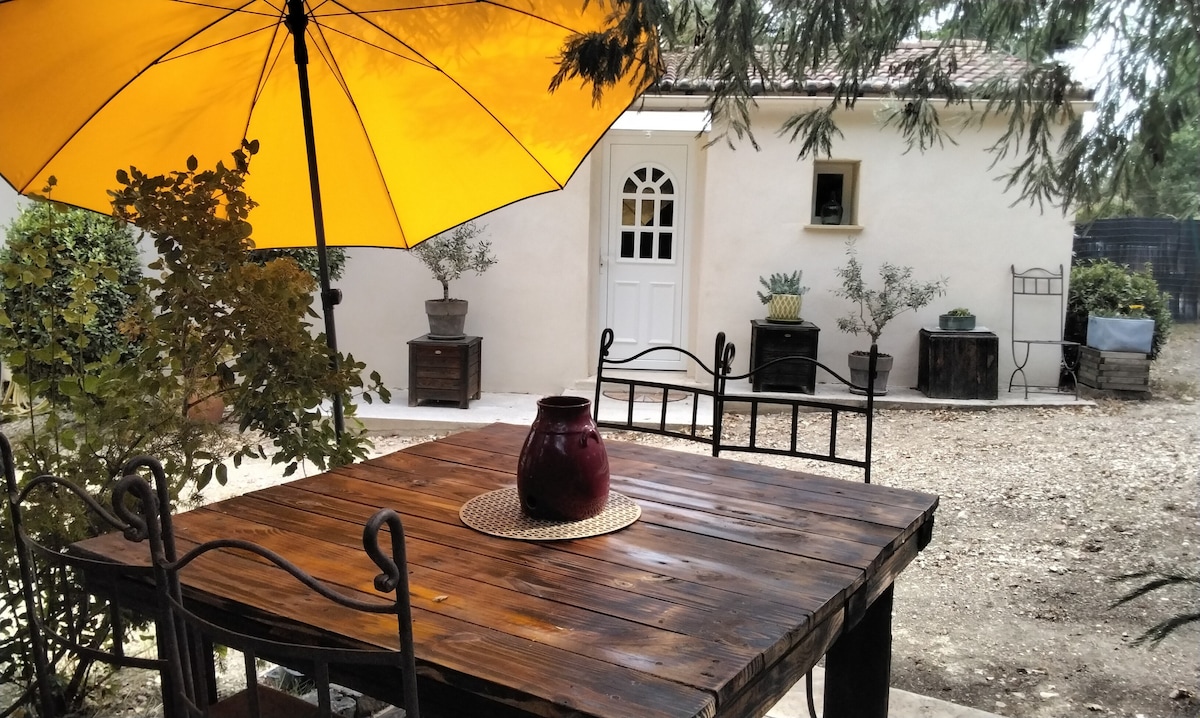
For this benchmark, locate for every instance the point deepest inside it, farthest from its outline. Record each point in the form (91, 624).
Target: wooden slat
(690, 660)
(723, 564)
(456, 652)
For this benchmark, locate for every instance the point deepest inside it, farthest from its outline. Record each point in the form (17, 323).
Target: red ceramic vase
(562, 474)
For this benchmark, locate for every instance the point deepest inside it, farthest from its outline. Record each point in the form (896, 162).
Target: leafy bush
(211, 321)
(307, 259)
(1101, 287)
(57, 258)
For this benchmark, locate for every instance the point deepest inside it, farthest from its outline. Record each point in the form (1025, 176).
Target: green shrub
(209, 320)
(1101, 287)
(57, 258)
(307, 259)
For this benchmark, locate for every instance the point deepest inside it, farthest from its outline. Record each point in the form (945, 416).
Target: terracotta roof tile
(975, 65)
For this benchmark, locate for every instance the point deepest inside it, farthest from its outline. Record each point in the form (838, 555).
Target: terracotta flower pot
(860, 372)
(447, 317)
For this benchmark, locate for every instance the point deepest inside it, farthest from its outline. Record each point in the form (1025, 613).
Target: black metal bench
(713, 383)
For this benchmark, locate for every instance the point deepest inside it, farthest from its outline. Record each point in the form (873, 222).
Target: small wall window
(835, 192)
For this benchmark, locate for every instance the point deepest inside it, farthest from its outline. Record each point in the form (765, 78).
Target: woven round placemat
(499, 513)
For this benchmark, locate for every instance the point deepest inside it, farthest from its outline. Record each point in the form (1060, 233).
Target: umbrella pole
(296, 23)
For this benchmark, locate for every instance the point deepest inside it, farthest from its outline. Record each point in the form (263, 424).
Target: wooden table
(734, 582)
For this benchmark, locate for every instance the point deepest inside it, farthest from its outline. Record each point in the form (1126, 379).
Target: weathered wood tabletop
(736, 579)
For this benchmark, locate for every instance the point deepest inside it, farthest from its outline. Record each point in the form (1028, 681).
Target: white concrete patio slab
(901, 704)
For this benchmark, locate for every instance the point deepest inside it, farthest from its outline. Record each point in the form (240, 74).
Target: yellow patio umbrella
(397, 118)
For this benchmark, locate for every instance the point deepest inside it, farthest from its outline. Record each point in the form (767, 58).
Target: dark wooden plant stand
(444, 370)
(958, 364)
(770, 340)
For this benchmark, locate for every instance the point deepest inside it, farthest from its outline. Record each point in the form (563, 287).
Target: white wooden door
(645, 250)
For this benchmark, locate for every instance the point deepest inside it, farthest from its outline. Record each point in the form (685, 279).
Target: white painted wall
(941, 212)
(531, 308)
(10, 206)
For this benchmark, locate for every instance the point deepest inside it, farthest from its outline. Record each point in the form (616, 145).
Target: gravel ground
(1009, 609)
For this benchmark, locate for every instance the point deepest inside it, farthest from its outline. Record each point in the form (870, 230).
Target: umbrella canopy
(397, 118)
(425, 113)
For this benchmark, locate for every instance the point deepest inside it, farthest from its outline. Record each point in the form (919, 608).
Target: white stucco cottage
(663, 238)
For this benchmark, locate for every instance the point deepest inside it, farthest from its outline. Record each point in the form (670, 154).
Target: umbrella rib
(268, 67)
(102, 105)
(434, 66)
(337, 72)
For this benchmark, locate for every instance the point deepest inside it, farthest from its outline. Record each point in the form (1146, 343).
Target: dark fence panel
(1172, 247)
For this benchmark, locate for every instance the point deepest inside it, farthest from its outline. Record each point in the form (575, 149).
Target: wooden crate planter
(1114, 371)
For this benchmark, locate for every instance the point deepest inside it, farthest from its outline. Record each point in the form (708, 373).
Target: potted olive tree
(783, 296)
(447, 256)
(874, 308)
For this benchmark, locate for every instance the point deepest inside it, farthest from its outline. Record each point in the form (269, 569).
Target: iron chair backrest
(1034, 292)
(721, 397)
(1038, 282)
(197, 631)
(77, 606)
(693, 428)
(798, 404)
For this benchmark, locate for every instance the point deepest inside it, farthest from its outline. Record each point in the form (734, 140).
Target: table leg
(858, 666)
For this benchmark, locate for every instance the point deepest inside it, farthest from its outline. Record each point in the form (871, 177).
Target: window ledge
(836, 228)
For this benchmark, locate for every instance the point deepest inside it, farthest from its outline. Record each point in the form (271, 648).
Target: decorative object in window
(835, 192)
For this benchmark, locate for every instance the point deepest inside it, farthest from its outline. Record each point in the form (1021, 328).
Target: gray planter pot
(446, 318)
(860, 372)
(955, 323)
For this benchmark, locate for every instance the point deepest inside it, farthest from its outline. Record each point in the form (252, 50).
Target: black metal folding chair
(78, 612)
(1039, 304)
(198, 631)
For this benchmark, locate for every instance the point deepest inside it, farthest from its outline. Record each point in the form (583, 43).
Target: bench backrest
(706, 424)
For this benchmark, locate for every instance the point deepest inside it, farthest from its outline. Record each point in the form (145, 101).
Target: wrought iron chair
(197, 631)
(78, 611)
(1035, 293)
(722, 399)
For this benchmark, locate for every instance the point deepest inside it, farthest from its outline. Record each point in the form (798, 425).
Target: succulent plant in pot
(959, 319)
(447, 256)
(783, 296)
(874, 308)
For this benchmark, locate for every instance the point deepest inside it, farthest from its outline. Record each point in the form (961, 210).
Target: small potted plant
(959, 319)
(447, 256)
(874, 308)
(783, 296)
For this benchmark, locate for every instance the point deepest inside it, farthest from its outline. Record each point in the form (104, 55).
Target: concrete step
(901, 704)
